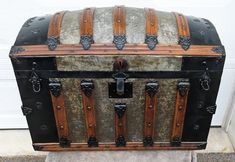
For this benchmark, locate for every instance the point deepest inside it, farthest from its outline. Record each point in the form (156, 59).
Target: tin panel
(105, 63)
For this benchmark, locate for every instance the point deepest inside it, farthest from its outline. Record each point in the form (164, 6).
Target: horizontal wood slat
(112, 146)
(110, 49)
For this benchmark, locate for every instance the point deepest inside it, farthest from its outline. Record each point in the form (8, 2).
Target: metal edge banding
(151, 28)
(183, 31)
(112, 147)
(57, 97)
(53, 35)
(86, 28)
(179, 114)
(119, 27)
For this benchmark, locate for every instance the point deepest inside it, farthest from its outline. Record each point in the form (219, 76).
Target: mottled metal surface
(165, 109)
(104, 107)
(135, 26)
(74, 109)
(105, 63)
(167, 28)
(70, 28)
(103, 25)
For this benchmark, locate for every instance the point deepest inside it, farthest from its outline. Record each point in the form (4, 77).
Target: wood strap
(57, 97)
(179, 115)
(120, 124)
(151, 28)
(88, 102)
(86, 28)
(150, 109)
(54, 28)
(119, 27)
(183, 31)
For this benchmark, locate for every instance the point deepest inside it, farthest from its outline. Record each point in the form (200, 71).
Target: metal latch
(120, 78)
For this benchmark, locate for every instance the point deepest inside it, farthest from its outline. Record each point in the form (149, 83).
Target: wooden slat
(112, 146)
(60, 115)
(150, 109)
(90, 117)
(119, 27)
(120, 128)
(55, 25)
(109, 49)
(151, 22)
(86, 21)
(119, 20)
(179, 114)
(183, 31)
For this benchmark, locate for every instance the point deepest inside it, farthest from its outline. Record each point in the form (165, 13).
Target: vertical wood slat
(150, 110)
(179, 114)
(86, 28)
(120, 124)
(151, 28)
(53, 34)
(57, 97)
(183, 31)
(88, 103)
(119, 27)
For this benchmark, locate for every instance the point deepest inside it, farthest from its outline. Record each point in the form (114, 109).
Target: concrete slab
(120, 156)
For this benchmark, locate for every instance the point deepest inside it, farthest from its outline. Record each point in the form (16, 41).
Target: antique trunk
(118, 79)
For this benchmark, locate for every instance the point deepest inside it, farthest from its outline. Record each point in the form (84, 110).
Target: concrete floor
(16, 144)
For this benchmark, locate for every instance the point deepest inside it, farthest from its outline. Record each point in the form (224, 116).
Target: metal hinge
(87, 86)
(55, 88)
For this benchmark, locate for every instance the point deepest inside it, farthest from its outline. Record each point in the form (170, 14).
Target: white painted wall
(13, 13)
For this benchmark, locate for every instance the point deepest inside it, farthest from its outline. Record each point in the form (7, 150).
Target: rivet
(120, 124)
(180, 108)
(88, 107)
(58, 107)
(149, 124)
(178, 124)
(90, 125)
(119, 21)
(150, 106)
(61, 127)
(85, 21)
(152, 24)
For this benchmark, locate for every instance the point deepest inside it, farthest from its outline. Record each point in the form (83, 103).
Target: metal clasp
(120, 78)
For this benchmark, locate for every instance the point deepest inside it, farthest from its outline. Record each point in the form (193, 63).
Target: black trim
(34, 31)
(202, 32)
